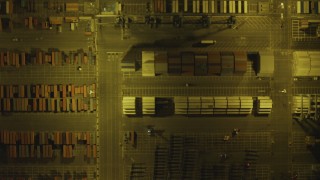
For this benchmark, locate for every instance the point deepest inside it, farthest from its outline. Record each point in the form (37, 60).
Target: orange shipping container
(85, 59)
(53, 109)
(64, 104)
(11, 91)
(94, 147)
(73, 102)
(23, 59)
(1, 59)
(72, 90)
(79, 105)
(85, 91)
(34, 105)
(55, 91)
(64, 91)
(44, 104)
(8, 105)
(89, 151)
(46, 95)
(40, 105)
(37, 91)
(1, 91)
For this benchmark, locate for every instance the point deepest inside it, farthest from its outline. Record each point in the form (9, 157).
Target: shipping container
(201, 68)
(239, 6)
(205, 6)
(1, 91)
(298, 7)
(187, 70)
(245, 6)
(174, 69)
(160, 6)
(72, 7)
(306, 7)
(227, 63)
(196, 6)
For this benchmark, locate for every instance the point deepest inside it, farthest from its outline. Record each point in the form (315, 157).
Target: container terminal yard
(159, 90)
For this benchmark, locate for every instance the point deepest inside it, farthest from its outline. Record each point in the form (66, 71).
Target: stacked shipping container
(200, 64)
(217, 105)
(53, 57)
(227, 63)
(29, 144)
(214, 63)
(161, 62)
(240, 62)
(187, 63)
(174, 63)
(196, 63)
(47, 98)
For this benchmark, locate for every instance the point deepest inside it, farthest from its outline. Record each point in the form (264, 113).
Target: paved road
(251, 34)
(109, 79)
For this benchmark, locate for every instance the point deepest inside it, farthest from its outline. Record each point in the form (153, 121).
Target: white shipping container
(245, 7)
(205, 6)
(7, 7)
(185, 6)
(239, 7)
(298, 7)
(212, 6)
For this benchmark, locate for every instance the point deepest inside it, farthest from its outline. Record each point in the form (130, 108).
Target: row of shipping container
(200, 63)
(17, 59)
(29, 151)
(47, 91)
(30, 22)
(199, 6)
(264, 105)
(61, 6)
(55, 138)
(47, 105)
(91, 151)
(242, 105)
(46, 151)
(52, 177)
(213, 105)
(307, 7)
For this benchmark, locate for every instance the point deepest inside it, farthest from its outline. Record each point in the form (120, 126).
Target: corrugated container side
(187, 70)
(187, 58)
(214, 69)
(214, 57)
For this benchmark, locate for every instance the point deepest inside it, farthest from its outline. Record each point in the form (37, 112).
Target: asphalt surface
(281, 155)
(274, 145)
